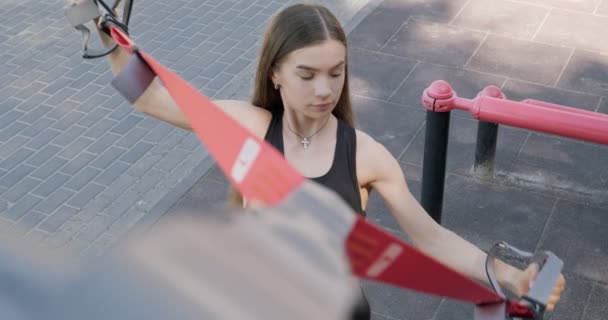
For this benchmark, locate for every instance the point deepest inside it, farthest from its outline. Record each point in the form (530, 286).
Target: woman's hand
(106, 40)
(521, 282)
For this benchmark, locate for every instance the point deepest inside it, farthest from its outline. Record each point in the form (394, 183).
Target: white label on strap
(249, 152)
(384, 261)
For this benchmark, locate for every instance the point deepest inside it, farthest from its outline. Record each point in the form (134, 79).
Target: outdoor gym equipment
(492, 109)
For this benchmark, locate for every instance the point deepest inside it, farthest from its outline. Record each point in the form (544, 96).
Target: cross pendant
(305, 142)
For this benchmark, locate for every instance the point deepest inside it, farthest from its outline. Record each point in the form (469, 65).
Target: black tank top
(341, 177)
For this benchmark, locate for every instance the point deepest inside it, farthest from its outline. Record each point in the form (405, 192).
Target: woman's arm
(429, 236)
(157, 102)
(425, 233)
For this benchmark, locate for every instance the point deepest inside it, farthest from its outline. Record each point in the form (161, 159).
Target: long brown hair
(293, 28)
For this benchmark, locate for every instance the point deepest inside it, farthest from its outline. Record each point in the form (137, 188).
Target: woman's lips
(323, 106)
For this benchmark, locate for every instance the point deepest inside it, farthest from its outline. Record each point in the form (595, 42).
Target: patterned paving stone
(602, 8)
(377, 75)
(433, 42)
(519, 59)
(588, 6)
(506, 18)
(519, 90)
(576, 232)
(586, 72)
(574, 29)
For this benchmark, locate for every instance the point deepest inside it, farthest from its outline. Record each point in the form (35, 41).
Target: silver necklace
(306, 140)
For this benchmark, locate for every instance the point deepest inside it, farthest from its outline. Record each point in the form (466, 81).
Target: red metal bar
(567, 122)
(564, 108)
(529, 114)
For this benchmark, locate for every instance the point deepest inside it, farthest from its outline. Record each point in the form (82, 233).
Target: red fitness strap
(261, 173)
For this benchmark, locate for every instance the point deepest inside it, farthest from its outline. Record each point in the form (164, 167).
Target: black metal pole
(485, 149)
(487, 135)
(434, 164)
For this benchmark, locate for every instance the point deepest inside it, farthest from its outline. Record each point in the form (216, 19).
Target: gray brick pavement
(79, 167)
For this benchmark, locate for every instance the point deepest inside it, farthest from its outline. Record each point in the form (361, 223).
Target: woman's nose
(322, 88)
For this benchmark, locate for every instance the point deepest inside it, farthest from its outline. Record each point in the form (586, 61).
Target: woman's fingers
(552, 302)
(556, 293)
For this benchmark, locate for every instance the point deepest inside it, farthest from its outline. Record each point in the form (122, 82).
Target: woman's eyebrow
(301, 66)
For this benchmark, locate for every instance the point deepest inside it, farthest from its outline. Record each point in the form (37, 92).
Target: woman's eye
(336, 75)
(306, 76)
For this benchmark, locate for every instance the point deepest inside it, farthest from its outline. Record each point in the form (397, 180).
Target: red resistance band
(261, 173)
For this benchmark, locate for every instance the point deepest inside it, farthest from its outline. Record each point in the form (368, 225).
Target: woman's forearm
(468, 259)
(155, 100)
(457, 253)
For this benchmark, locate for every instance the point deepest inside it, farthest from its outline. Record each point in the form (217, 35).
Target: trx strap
(261, 173)
(87, 10)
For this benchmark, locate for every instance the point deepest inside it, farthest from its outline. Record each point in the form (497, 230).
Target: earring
(276, 86)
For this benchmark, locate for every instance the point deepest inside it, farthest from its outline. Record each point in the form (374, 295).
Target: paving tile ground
(79, 168)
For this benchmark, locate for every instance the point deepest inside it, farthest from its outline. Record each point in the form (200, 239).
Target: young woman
(301, 105)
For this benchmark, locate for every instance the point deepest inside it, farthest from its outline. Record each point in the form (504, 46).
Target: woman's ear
(276, 82)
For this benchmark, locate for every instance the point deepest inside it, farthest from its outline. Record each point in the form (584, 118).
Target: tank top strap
(274, 134)
(350, 142)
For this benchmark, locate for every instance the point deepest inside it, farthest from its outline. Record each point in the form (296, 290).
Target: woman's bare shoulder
(254, 118)
(238, 108)
(373, 157)
(366, 143)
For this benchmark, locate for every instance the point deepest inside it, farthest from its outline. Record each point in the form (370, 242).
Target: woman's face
(311, 78)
